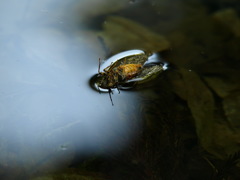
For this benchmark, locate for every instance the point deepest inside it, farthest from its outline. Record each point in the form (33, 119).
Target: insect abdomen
(129, 71)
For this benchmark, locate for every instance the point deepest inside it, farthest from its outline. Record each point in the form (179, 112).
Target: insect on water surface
(128, 69)
(114, 75)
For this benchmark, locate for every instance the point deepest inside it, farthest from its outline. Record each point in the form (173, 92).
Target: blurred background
(182, 125)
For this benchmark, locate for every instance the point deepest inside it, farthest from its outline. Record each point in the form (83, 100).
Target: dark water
(182, 125)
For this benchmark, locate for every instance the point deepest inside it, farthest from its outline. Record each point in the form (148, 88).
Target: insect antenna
(110, 92)
(99, 61)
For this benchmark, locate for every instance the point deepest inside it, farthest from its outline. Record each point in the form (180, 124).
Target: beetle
(126, 72)
(114, 75)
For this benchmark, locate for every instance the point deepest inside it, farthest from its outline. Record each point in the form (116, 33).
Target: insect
(113, 75)
(126, 72)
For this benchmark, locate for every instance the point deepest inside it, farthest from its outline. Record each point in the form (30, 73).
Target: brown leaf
(122, 34)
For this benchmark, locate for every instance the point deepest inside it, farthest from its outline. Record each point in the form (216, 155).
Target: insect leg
(118, 89)
(99, 90)
(109, 92)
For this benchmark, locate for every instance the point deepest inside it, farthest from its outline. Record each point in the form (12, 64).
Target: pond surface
(54, 125)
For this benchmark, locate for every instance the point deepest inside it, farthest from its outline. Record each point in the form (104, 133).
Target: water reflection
(46, 105)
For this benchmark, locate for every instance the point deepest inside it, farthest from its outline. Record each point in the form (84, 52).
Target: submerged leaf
(231, 105)
(221, 87)
(215, 135)
(120, 34)
(223, 79)
(230, 19)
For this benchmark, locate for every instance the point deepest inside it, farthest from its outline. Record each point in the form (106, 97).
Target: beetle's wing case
(133, 59)
(126, 57)
(147, 74)
(112, 65)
